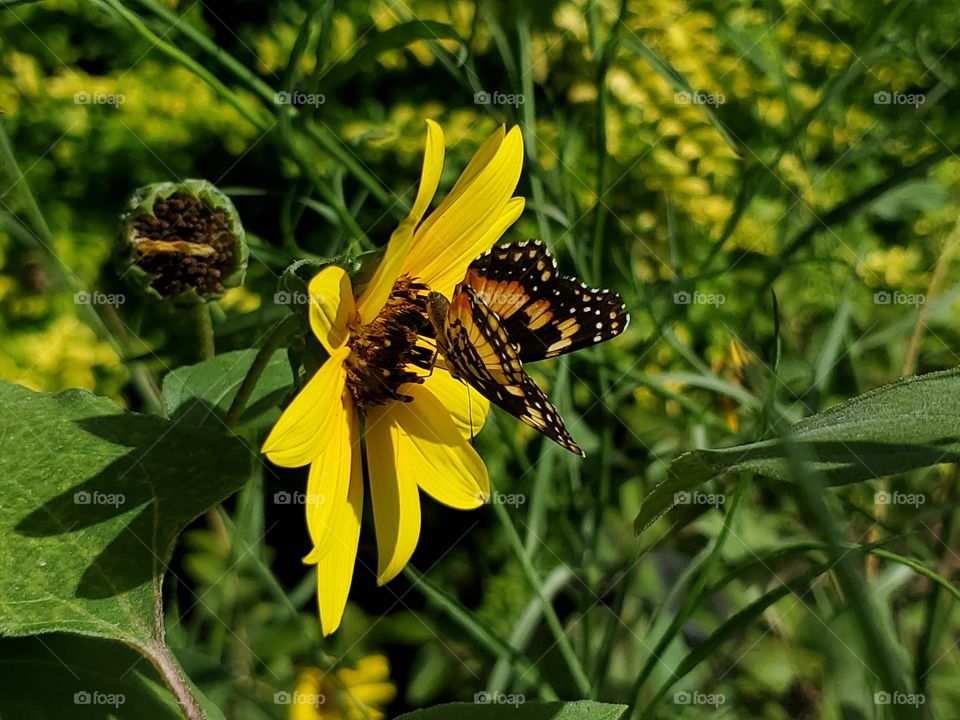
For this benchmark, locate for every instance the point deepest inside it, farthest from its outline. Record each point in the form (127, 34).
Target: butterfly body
(514, 307)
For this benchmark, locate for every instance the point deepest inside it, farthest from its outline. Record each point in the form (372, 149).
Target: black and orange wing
(478, 350)
(544, 313)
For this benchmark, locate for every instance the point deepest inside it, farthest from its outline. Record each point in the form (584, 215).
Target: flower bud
(182, 241)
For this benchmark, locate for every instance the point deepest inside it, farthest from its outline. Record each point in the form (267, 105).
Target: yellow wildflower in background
(417, 423)
(347, 694)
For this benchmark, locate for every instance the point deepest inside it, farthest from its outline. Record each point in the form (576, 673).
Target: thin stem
(166, 665)
(483, 636)
(273, 343)
(692, 599)
(933, 289)
(204, 327)
(533, 577)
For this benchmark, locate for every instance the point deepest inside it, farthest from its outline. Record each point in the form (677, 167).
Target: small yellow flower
(417, 423)
(347, 694)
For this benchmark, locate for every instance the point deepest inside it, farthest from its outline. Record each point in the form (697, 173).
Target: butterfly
(513, 307)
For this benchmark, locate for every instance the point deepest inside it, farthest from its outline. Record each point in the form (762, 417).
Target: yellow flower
(348, 694)
(417, 423)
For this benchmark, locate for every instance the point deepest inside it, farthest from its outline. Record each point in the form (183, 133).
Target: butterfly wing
(543, 312)
(478, 350)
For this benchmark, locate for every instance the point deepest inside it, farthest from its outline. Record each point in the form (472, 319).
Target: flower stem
(166, 665)
(495, 645)
(273, 343)
(204, 324)
(533, 577)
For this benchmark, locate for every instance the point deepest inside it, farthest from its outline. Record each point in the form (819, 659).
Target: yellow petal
(393, 491)
(370, 668)
(374, 695)
(375, 295)
(331, 306)
(329, 478)
(305, 428)
(478, 162)
(335, 567)
(434, 453)
(303, 704)
(467, 407)
(448, 279)
(447, 241)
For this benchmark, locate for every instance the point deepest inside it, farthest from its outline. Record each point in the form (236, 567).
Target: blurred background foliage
(675, 150)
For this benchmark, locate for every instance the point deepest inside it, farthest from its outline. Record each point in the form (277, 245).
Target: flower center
(384, 353)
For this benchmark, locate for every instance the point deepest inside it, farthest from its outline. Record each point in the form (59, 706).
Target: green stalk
(884, 653)
(204, 326)
(693, 599)
(100, 317)
(481, 635)
(536, 583)
(274, 342)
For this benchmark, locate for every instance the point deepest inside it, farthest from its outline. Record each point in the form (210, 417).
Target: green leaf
(201, 394)
(93, 498)
(907, 425)
(392, 38)
(63, 675)
(487, 707)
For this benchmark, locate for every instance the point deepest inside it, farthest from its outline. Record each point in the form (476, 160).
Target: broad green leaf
(907, 425)
(201, 394)
(61, 675)
(488, 707)
(92, 499)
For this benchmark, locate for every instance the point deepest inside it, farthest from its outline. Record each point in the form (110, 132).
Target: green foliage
(772, 187)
